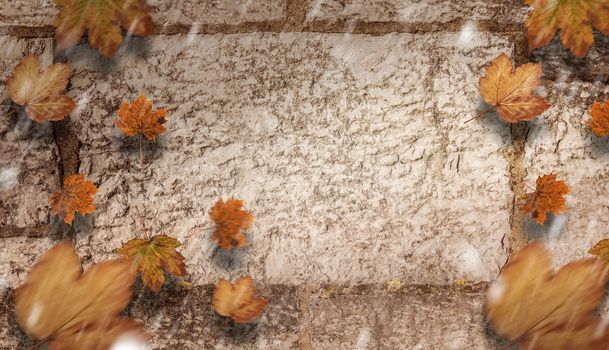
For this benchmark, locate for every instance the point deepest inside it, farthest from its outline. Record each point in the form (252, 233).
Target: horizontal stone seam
(286, 26)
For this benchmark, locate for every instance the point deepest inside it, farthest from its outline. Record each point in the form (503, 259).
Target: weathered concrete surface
(561, 142)
(29, 162)
(347, 149)
(33, 13)
(411, 318)
(421, 11)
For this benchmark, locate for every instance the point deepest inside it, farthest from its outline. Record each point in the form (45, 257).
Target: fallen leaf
(75, 196)
(238, 301)
(74, 310)
(574, 18)
(511, 91)
(103, 19)
(41, 93)
(230, 218)
(548, 197)
(529, 303)
(599, 123)
(138, 117)
(153, 257)
(601, 249)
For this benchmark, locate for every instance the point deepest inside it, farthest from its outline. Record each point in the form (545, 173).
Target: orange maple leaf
(574, 18)
(546, 310)
(600, 118)
(548, 197)
(41, 93)
(511, 92)
(238, 301)
(138, 117)
(230, 218)
(103, 19)
(153, 257)
(76, 196)
(69, 309)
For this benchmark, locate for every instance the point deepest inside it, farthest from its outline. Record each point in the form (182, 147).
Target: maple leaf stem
(39, 344)
(488, 110)
(9, 113)
(194, 233)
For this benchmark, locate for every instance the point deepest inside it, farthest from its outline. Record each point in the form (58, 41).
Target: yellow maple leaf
(73, 310)
(238, 301)
(153, 257)
(75, 196)
(41, 93)
(574, 18)
(138, 117)
(230, 218)
(103, 19)
(529, 303)
(511, 91)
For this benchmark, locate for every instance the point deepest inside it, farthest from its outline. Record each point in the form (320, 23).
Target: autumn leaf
(75, 196)
(74, 310)
(238, 301)
(138, 117)
(153, 257)
(103, 19)
(600, 119)
(511, 91)
(574, 18)
(529, 303)
(548, 197)
(601, 249)
(41, 93)
(230, 218)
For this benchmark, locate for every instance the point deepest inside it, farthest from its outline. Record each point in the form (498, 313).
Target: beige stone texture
(29, 162)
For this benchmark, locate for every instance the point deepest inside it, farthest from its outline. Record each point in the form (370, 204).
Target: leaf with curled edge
(41, 93)
(238, 301)
(530, 304)
(69, 309)
(511, 91)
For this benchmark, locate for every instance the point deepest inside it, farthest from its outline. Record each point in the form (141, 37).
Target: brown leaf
(103, 19)
(574, 18)
(511, 91)
(230, 218)
(601, 249)
(600, 119)
(548, 197)
(41, 93)
(75, 310)
(546, 310)
(238, 301)
(76, 196)
(153, 257)
(138, 117)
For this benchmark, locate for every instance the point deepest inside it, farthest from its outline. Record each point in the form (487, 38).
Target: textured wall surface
(342, 124)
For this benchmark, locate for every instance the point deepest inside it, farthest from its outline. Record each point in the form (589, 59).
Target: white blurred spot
(466, 35)
(129, 342)
(34, 315)
(192, 33)
(83, 100)
(362, 339)
(600, 328)
(496, 291)
(8, 177)
(3, 284)
(557, 225)
(470, 260)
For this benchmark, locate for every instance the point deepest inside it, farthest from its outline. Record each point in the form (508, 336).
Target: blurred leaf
(238, 301)
(230, 218)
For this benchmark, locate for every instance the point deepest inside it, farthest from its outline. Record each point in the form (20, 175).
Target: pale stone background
(341, 125)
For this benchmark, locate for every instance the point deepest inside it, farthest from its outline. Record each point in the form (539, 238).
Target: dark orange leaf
(574, 18)
(103, 19)
(76, 196)
(238, 301)
(601, 249)
(511, 91)
(230, 218)
(600, 118)
(138, 117)
(42, 94)
(548, 197)
(153, 257)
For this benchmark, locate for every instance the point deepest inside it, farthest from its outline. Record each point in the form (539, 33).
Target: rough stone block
(408, 319)
(420, 11)
(29, 161)
(338, 145)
